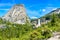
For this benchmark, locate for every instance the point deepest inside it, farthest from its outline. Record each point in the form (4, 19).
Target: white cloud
(34, 17)
(32, 13)
(6, 4)
(54, 8)
(43, 10)
(4, 9)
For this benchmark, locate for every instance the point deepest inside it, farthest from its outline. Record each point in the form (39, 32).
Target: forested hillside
(11, 31)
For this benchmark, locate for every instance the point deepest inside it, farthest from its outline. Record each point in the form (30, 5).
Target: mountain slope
(17, 14)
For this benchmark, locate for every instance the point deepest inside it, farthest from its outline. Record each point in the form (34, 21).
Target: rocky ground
(56, 36)
(2, 25)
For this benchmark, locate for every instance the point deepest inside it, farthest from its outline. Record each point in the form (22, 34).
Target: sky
(34, 8)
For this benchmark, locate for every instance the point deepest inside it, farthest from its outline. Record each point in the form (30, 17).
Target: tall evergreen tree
(54, 19)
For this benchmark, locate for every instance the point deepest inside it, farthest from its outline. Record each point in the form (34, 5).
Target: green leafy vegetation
(26, 31)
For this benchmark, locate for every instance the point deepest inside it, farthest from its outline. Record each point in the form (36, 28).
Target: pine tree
(54, 19)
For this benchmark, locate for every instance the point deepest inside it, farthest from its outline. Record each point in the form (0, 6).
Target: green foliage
(54, 19)
(27, 32)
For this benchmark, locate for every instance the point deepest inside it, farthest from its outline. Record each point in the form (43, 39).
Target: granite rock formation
(17, 14)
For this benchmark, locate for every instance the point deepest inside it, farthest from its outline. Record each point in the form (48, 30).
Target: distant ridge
(56, 10)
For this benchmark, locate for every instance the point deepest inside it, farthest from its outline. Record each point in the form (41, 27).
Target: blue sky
(34, 8)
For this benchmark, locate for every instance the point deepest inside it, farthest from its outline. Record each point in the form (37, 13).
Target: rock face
(17, 14)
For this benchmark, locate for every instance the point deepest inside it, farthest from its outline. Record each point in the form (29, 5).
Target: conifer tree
(54, 19)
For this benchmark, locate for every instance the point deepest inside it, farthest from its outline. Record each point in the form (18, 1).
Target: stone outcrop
(17, 14)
